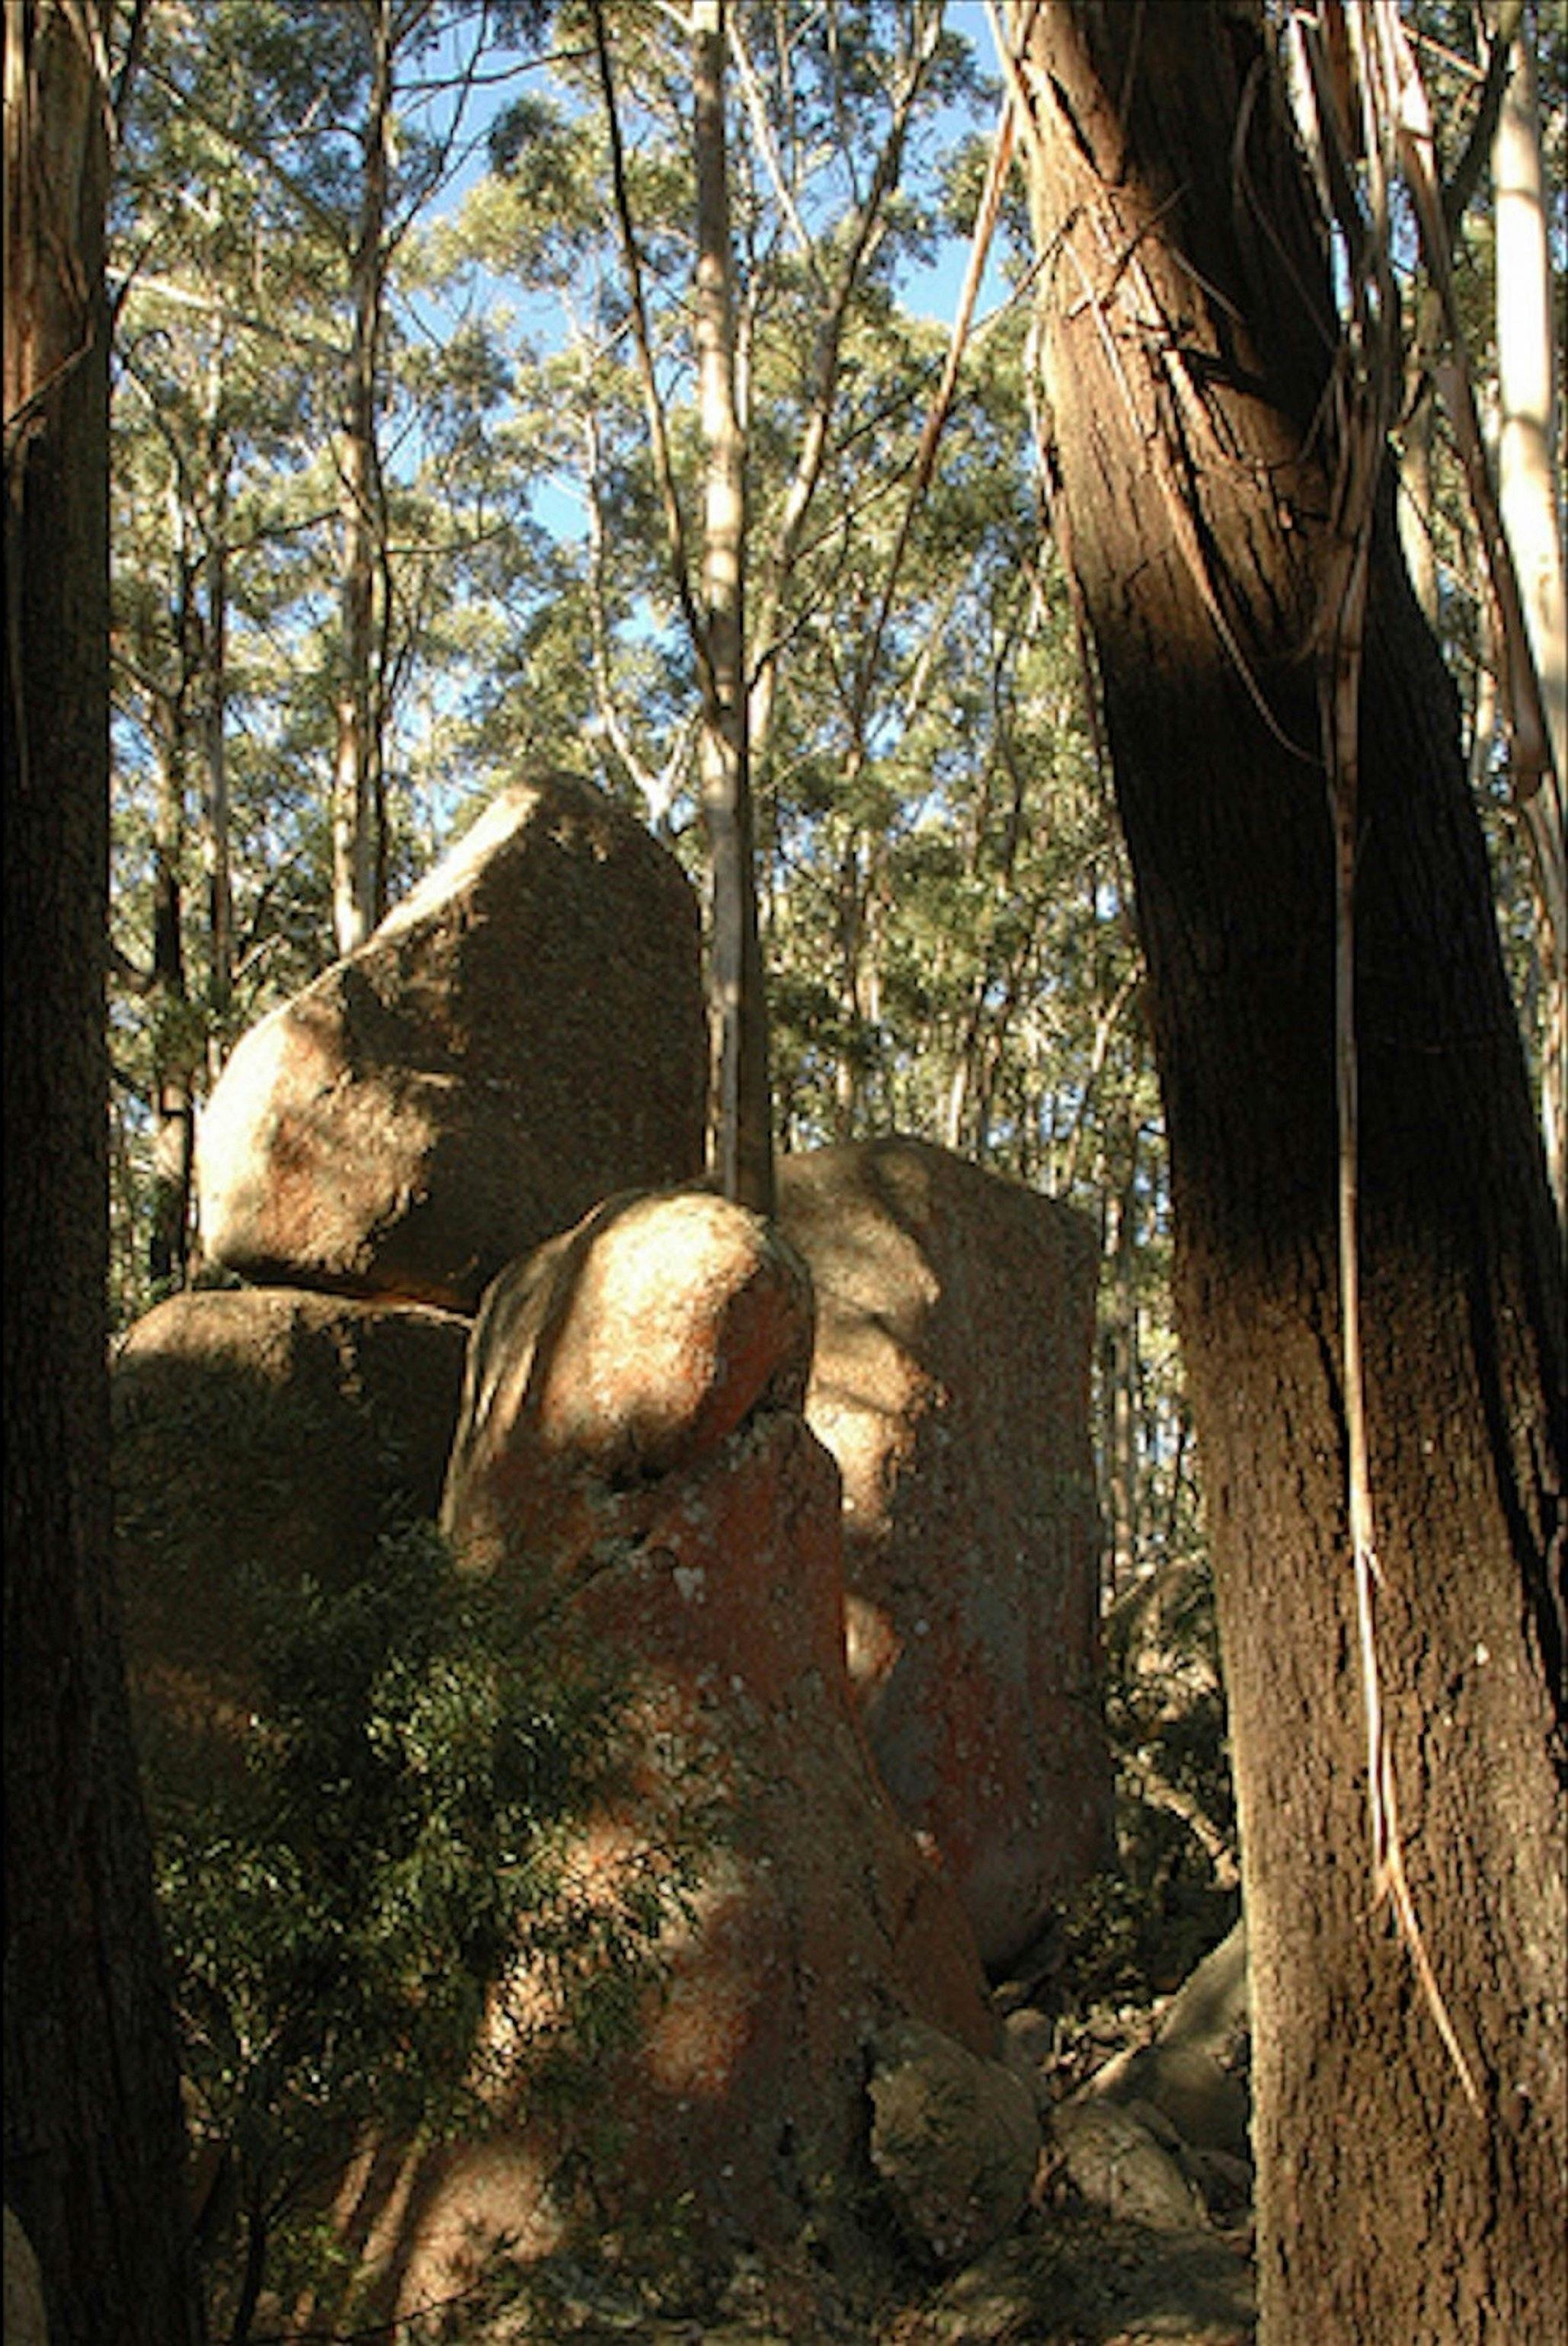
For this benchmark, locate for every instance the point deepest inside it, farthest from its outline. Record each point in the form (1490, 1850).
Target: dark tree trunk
(93, 2155)
(174, 1106)
(1188, 336)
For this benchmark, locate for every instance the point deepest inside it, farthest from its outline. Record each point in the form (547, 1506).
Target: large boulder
(523, 1034)
(1192, 2071)
(950, 1381)
(632, 1461)
(954, 2139)
(262, 1437)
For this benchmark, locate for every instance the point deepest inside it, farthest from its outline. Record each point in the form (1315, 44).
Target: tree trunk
(173, 1071)
(215, 716)
(94, 2151)
(740, 1116)
(1188, 332)
(1527, 498)
(1118, 1383)
(168, 1245)
(358, 862)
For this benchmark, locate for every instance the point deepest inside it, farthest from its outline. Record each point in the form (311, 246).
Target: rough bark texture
(93, 2155)
(1187, 345)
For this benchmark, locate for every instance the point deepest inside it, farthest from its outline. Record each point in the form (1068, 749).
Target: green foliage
(351, 1912)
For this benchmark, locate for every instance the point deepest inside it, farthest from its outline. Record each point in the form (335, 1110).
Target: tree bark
(741, 1117)
(94, 2152)
(1189, 333)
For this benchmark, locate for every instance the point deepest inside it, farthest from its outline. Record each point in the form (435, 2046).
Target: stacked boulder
(633, 1462)
(955, 1324)
(522, 1036)
(262, 1438)
(495, 1107)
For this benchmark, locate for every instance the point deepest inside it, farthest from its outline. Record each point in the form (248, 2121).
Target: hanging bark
(357, 813)
(1188, 340)
(93, 2155)
(740, 1118)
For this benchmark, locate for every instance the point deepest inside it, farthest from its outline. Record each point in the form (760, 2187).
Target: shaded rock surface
(954, 2139)
(1115, 2160)
(261, 1436)
(1188, 2071)
(951, 1383)
(24, 2321)
(523, 1034)
(633, 1460)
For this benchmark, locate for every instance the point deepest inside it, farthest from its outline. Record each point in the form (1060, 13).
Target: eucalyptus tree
(1368, 1274)
(262, 477)
(1531, 489)
(743, 426)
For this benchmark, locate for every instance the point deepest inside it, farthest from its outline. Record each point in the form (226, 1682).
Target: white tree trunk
(741, 1152)
(357, 858)
(1529, 507)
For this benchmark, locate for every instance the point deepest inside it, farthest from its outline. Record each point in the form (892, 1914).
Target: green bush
(344, 1912)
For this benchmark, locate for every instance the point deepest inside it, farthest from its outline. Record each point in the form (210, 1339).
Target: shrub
(344, 1913)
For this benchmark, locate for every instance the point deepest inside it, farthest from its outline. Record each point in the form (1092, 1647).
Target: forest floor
(1067, 2276)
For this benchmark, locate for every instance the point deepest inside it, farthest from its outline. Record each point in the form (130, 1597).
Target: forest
(1045, 520)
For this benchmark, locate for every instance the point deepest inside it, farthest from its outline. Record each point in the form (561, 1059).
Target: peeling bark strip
(94, 2151)
(1188, 330)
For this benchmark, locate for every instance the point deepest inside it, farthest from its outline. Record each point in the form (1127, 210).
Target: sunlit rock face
(950, 1381)
(523, 1035)
(261, 1438)
(632, 1463)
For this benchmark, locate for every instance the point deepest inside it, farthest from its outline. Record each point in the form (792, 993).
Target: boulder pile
(633, 1461)
(821, 1489)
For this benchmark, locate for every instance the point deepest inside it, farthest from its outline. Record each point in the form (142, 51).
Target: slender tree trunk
(173, 1074)
(1187, 330)
(93, 2138)
(740, 1120)
(358, 864)
(1527, 496)
(215, 853)
(1119, 1379)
